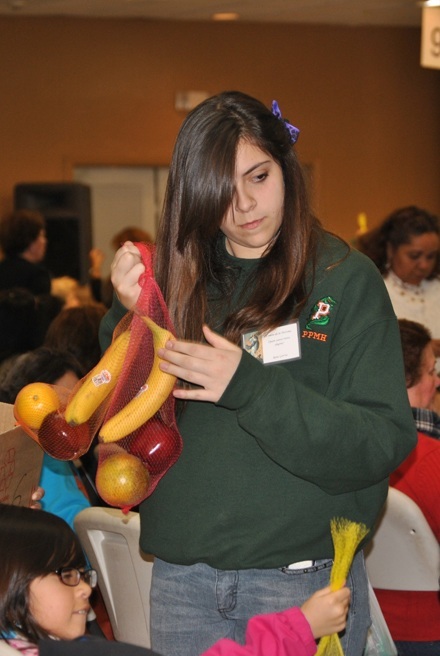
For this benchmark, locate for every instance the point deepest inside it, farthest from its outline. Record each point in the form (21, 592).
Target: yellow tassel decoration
(346, 536)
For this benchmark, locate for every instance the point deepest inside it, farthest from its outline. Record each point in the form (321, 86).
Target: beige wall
(80, 92)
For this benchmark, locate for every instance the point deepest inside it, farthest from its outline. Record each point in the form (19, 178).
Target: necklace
(413, 293)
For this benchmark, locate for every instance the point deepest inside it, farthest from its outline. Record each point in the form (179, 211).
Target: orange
(34, 402)
(122, 480)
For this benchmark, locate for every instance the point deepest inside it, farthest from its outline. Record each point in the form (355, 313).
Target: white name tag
(278, 345)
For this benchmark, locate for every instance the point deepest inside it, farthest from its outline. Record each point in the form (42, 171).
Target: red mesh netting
(126, 400)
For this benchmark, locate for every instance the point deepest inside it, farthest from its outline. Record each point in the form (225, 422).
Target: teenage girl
(275, 446)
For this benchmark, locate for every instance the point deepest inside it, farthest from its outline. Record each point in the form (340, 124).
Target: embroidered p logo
(320, 315)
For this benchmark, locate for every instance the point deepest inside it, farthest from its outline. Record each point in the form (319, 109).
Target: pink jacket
(276, 634)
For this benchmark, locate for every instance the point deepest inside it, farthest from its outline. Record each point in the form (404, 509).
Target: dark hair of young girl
(33, 543)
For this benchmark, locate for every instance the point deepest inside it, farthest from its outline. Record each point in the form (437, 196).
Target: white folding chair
(379, 639)
(111, 541)
(404, 553)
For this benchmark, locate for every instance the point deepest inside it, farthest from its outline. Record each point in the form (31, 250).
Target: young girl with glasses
(45, 583)
(45, 586)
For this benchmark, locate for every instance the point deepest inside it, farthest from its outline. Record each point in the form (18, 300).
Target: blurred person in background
(71, 292)
(75, 330)
(18, 322)
(405, 248)
(59, 479)
(27, 305)
(413, 617)
(24, 319)
(23, 244)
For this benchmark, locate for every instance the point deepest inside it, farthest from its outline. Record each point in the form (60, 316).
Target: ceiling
(331, 12)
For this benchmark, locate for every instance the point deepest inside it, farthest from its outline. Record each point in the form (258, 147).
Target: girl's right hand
(326, 611)
(126, 269)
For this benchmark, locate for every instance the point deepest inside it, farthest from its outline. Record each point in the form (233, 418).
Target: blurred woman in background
(405, 248)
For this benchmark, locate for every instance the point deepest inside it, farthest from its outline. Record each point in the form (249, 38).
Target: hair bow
(294, 132)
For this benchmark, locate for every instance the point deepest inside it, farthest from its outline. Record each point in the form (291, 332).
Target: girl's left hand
(210, 366)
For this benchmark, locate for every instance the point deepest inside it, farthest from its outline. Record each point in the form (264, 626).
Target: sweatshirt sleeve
(340, 417)
(62, 495)
(277, 634)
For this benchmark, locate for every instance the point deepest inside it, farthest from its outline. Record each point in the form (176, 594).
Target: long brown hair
(199, 192)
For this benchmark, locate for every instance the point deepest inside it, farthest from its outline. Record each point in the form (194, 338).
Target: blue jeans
(418, 648)
(194, 606)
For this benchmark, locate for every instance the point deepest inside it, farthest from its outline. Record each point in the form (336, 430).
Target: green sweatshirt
(289, 446)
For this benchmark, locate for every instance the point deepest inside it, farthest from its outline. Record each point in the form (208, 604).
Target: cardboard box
(20, 460)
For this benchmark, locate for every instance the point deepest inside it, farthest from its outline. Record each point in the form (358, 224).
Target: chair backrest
(111, 542)
(404, 553)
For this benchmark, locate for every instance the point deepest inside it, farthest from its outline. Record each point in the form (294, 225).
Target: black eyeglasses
(72, 576)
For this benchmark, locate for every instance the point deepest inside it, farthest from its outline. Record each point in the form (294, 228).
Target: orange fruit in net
(34, 402)
(122, 480)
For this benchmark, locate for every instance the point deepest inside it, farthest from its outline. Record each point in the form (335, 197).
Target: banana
(151, 396)
(99, 382)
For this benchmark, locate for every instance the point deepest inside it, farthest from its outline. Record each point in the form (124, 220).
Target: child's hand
(36, 498)
(326, 611)
(127, 267)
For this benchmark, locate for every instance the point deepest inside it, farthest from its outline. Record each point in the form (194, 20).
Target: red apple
(61, 440)
(157, 445)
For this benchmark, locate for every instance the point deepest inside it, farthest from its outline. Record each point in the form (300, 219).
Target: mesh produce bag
(126, 401)
(39, 409)
(142, 390)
